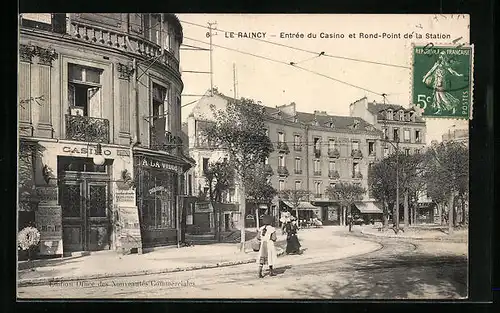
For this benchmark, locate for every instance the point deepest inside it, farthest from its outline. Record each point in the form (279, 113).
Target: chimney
(320, 113)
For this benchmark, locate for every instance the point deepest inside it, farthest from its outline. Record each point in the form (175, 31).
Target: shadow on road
(401, 277)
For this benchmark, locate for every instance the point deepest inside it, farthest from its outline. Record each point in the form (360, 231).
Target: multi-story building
(457, 135)
(312, 151)
(400, 125)
(100, 101)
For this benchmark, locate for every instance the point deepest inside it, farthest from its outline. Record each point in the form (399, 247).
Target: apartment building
(402, 127)
(312, 151)
(96, 114)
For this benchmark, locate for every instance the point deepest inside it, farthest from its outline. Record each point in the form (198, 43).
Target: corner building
(91, 86)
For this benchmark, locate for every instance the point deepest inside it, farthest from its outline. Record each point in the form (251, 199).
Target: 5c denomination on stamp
(442, 80)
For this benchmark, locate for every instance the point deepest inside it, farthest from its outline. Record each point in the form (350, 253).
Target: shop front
(305, 212)
(368, 211)
(159, 182)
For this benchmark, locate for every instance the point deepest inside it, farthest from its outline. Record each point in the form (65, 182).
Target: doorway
(84, 199)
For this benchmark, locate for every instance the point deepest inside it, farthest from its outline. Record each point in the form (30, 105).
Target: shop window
(84, 90)
(74, 164)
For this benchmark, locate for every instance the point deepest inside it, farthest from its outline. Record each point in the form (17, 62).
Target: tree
(295, 197)
(382, 184)
(239, 129)
(220, 177)
(259, 189)
(346, 194)
(411, 176)
(447, 174)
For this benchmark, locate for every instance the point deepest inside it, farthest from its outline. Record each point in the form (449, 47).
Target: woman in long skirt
(267, 252)
(292, 242)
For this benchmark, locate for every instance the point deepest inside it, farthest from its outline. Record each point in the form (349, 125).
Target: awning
(302, 206)
(367, 207)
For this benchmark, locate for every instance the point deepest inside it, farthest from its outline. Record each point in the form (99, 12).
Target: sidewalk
(106, 264)
(418, 233)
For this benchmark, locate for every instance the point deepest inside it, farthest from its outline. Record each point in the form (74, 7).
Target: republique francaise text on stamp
(443, 80)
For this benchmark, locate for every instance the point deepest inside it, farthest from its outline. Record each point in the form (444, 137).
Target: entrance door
(85, 209)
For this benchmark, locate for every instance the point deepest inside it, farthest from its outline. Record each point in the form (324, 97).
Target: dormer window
(401, 115)
(389, 114)
(331, 125)
(356, 124)
(412, 116)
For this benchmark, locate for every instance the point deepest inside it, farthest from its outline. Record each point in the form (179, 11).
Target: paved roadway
(398, 270)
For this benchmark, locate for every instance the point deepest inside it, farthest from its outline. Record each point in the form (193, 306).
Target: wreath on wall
(28, 239)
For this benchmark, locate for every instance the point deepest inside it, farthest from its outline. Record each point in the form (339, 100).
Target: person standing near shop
(292, 242)
(267, 252)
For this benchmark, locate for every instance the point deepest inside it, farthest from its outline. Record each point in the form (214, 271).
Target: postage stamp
(443, 80)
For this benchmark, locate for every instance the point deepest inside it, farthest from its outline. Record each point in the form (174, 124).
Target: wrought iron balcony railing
(356, 154)
(333, 153)
(298, 172)
(317, 173)
(283, 171)
(334, 174)
(88, 129)
(282, 147)
(170, 143)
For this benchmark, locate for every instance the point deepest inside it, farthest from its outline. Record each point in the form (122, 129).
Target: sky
(277, 83)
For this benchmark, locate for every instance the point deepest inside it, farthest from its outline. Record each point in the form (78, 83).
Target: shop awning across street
(302, 206)
(368, 207)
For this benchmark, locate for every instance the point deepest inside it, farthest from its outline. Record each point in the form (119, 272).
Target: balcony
(356, 154)
(297, 147)
(122, 41)
(298, 172)
(317, 173)
(283, 171)
(317, 153)
(334, 153)
(169, 144)
(282, 147)
(318, 195)
(268, 170)
(88, 129)
(334, 174)
(357, 175)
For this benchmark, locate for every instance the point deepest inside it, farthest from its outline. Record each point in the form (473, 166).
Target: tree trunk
(406, 213)
(257, 217)
(183, 223)
(242, 215)
(385, 216)
(463, 210)
(450, 213)
(394, 214)
(455, 211)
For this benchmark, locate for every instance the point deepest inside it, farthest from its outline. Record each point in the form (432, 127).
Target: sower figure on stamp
(267, 252)
(437, 78)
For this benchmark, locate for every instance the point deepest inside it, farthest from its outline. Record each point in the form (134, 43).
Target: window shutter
(94, 102)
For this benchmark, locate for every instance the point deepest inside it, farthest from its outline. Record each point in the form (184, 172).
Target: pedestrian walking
(292, 241)
(267, 252)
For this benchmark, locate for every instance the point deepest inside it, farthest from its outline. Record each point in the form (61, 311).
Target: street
(398, 269)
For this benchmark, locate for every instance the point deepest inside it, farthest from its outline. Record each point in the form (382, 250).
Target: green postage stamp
(443, 80)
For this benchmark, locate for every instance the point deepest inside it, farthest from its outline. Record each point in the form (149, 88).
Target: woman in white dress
(267, 252)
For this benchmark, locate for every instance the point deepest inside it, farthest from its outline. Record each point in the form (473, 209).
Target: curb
(46, 281)
(414, 238)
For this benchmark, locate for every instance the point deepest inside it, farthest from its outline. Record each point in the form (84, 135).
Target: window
(355, 169)
(370, 165)
(355, 145)
(298, 165)
(412, 116)
(371, 148)
(331, 144)
(417, 151)
(386, 133)
(401, 115)
(281, 185)
(386, 152)
(406, 135)
(417, 136)
(389, 114)
(317, 188)
(298, 185)
(296, 140)
(331, 166)
(317, 143)
(407, 151)
(84, 90)
(281, 160)
(205, 165)
(317, 166)
(281, 137)
(266, 160)
(395, 134)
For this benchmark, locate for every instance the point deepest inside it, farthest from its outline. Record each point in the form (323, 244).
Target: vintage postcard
(243, 156)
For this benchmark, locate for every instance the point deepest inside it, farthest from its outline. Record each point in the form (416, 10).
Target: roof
(367, 207)
(302, 205)
(318, 119)
(376, 108)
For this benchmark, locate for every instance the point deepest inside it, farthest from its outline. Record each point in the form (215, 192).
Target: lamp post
(386, 139)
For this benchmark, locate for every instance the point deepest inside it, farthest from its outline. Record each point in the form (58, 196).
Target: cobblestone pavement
(399, 269)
